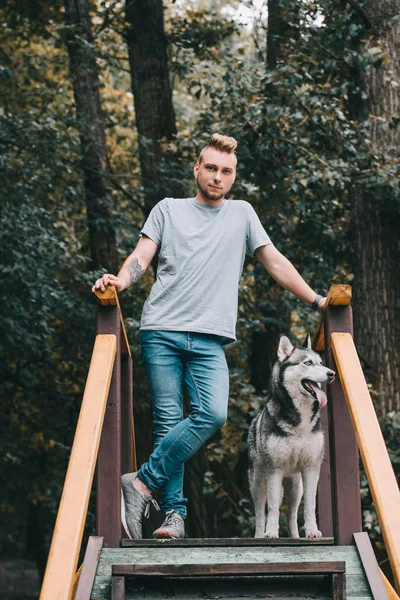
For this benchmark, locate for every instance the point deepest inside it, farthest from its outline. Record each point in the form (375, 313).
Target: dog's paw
(313, 533)
(271, 534)
(294, 535)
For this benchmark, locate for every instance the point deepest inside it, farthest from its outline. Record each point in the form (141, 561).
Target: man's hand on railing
(321, 304)
(108, 279)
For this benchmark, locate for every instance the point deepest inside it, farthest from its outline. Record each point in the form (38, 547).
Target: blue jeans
(172, 358)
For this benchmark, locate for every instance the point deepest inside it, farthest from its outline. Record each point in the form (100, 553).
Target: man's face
(215, 174)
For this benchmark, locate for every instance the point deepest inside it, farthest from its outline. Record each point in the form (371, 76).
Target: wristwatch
(314, 305)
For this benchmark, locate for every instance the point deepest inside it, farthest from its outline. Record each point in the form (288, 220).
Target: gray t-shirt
(201, 254)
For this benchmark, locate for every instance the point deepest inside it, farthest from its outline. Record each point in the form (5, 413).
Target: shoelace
(146, 512)
(171, 518)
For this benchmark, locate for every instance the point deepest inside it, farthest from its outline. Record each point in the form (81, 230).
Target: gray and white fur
(286, 441)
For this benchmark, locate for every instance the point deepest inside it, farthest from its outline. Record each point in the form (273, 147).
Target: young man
(189, 315)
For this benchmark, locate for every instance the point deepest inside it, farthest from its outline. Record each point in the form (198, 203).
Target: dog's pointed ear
(307, 344)
(285, 347)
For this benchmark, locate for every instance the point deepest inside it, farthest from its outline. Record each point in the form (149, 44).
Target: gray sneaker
(134, 506)
(172, 528)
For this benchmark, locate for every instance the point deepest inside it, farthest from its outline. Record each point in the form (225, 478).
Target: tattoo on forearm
(135, 270)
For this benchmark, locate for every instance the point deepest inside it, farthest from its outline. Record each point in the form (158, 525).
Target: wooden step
(334, 569)
(191, 570)
(227, 542)
(163, 553)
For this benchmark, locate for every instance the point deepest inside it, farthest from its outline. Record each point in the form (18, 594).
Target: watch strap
(314, 305)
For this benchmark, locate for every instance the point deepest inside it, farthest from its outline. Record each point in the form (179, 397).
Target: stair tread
(166, 553)
(228, 542)
(247, 568)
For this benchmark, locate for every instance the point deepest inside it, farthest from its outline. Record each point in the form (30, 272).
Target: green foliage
(299, 149)
(390, 426)
(47, 321)
(299, 152)
(195, 35)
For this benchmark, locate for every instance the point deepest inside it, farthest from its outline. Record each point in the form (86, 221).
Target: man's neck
(200, 198)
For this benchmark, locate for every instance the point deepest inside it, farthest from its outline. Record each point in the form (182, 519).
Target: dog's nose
(331, 374)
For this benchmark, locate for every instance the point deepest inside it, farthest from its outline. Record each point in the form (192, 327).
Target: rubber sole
(123, 517)
(164, 535)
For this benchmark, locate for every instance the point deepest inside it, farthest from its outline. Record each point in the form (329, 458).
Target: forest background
(104, 109)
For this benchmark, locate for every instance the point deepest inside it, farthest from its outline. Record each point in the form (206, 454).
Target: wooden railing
(117, 453)
(61, 566)
(339, 501)
(353, 425)
(105, 431)
(382, 481)
(104, 436)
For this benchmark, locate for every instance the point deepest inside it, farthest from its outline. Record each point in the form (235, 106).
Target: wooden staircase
(340, 565)
(220, 569)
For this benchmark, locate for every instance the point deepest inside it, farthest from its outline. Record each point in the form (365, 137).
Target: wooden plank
(291, 587)
(89, 567)
(344, 453)
(338, 295)
(110, 298)
(134, 455)
(76, 581)
(108, 492)
(356, 583)
(338, 586)
(324, 490)
(118, 588)
(382, 481)
(371, 566)
(389, 588)
(169, 553)
(67, 537)
(228, 587)
(128, 450)
(107, 298)
(195, 570)
(227, 542)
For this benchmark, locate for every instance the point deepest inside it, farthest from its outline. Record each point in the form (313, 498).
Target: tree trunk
(275, 319)
(274, 33)
(376, 220)
(36, 546)
(155, 117)
(85, 81)
(155, 122)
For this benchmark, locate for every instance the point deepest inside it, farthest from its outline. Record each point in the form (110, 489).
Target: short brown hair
(223, 143)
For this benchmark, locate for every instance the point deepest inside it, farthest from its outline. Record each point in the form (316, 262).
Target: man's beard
(213, 196)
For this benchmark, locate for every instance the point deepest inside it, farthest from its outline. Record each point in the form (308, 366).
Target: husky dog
(286, 441)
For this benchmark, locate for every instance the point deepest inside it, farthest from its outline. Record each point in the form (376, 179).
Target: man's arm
(132, 269)
(282, 270)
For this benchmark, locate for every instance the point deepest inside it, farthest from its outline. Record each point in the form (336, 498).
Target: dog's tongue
(321, 396)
